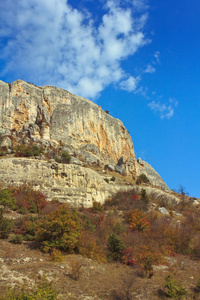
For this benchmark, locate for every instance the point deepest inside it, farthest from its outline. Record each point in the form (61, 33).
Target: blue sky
(138, 59)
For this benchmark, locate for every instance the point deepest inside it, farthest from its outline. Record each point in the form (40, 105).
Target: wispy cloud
(157, 56)
(130, 84)
(50, 42)
(164, 110)
(149, 69)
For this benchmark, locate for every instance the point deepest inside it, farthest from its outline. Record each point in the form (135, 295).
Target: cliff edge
(55, 119)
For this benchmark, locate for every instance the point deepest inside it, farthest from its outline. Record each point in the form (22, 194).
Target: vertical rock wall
(62, 116)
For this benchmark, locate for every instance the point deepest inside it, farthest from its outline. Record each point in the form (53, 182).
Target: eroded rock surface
(57, 115)
(154, 178)
(55, 118)
(67, 183)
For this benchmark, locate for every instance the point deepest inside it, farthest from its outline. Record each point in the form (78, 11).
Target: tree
(60, 229)
(115, 247)
(137, 220)
(5, 226)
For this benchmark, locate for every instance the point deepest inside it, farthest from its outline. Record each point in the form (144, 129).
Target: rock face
(57, 115)
(66, 183)
(154, 178)
(53, 118)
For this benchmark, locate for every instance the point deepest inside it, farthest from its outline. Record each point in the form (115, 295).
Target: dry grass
(96, 280)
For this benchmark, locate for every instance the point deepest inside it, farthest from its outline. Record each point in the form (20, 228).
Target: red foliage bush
(127, 257)
(29, 200)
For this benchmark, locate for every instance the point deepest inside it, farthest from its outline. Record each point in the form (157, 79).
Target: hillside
(80, 217)
(56, 124)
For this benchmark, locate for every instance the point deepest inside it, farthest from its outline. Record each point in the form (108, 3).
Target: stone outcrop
(54, 114)
(64, 182)
(67, 183)
(56, 118)
(154, 178)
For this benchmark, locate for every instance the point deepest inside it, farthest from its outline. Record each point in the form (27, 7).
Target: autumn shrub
(50, 207)
(60, 229)
(29, 200)
(137, 220)
(125, 201)
(170, 235)
(146, 257)
(182, 239)
(56, 255)
(91, 219)
(97, 207)
(196, 246)
(75, 271)
(88, 246)
(26, 226)
(128, 257)
(115, 248)
(174, 289)
(127, 284)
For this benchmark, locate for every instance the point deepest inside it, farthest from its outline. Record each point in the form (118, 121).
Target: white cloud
(149, 69)
(50, 42)
(130, 84)
(143, 91)
(173, 101)
(165, 111)
(157, 57)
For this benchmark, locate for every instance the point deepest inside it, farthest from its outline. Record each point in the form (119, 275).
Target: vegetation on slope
(128, 229)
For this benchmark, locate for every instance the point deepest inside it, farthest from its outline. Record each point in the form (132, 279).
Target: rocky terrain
(124, 235)
(52, 118)
(24, 266)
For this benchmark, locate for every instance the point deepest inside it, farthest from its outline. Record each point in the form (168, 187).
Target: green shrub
(28, 150)
(6, 226)
(144, 196)
(142, 179)
(17, 239)
(106, 180)
(65, 157)
(115, 247)
(60, 229)
(44, 291)
(7, 199)
(22, 210)
(56, 255)
(174, 289)
(97, 207)
(198, 286)
(113, 178)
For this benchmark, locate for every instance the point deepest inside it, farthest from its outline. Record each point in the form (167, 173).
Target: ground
(77, 277)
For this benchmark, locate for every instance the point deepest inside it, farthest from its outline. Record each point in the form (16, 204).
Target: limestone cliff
(66, 183)
(154, 178)
(55, 118)
(57, 115)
